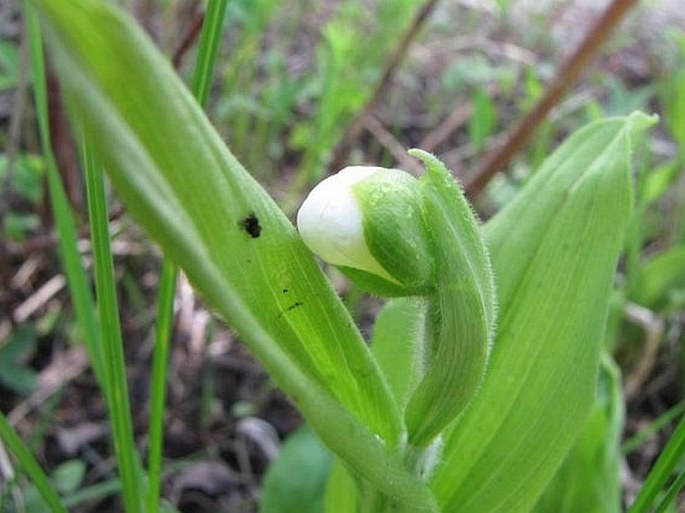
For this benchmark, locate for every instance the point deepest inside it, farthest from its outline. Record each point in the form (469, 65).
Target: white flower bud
(330, 222)
(369, 222)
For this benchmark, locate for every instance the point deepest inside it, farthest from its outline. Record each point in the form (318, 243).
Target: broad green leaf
(296, 480)
(68, 476)
(239, 250)
(589, 479)
(554, 252)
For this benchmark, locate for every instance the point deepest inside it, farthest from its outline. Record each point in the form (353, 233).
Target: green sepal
(379, 286)
(461, 319)
(394, 229)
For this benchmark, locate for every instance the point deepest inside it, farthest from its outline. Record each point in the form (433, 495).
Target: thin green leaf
(79, 283)
(206, 53)
(663, 420)
(163, 330)
(666, 501)
(554, 252)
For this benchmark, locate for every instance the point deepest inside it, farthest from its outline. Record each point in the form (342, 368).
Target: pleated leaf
(554, 252)
(590, 478)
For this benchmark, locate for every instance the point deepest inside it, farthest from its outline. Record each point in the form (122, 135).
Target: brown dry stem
(566, 75)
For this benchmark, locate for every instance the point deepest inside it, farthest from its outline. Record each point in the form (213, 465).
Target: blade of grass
(662, 421)
(671, 494)
(163, 329)
(204, 67)
(110, 332)
(79, 285)
(670, 457)
(75, 271)
(30, 466)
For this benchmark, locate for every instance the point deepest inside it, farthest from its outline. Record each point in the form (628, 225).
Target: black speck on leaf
(251, 225)
(293, 306)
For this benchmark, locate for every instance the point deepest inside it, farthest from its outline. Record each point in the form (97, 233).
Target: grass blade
(669, 459)
(30, 466)
(110, 332)
(163, 328)
(652, 428)
(206, 54)
(79, 283)
(671, 494)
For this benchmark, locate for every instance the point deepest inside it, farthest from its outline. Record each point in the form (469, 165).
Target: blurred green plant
(15, 373)
(24, 186)
(354, 45)
(9, 65)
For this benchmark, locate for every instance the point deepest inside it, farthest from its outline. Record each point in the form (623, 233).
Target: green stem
(202, 79)
(163, 329)
(209, 44)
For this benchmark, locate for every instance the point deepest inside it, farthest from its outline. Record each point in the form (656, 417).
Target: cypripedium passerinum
(395, 236)
(353, 220)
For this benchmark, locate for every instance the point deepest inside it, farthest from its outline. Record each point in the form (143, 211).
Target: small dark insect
(251, 225)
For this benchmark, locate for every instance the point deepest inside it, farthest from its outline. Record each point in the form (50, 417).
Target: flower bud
(368, 221)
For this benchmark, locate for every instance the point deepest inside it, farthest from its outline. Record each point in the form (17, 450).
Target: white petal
(330, 222)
